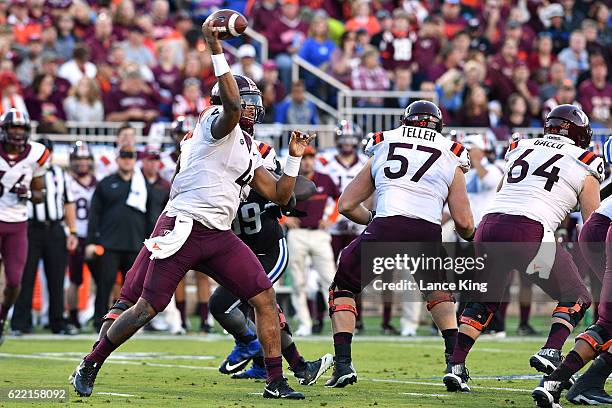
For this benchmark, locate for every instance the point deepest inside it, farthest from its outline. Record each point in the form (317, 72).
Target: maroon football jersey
(595, 102)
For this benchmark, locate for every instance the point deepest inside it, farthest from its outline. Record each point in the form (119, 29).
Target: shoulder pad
(594, 164)
(373, 141)
(462, 155)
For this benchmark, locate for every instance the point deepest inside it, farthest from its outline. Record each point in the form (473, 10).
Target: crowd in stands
(491, 62)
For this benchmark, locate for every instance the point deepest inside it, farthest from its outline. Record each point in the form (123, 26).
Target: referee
(49, 239)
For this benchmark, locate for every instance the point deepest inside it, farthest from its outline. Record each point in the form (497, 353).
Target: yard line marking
(418, 394)
(116, 394)
(109, 361)
(441, 347)
(442, 385)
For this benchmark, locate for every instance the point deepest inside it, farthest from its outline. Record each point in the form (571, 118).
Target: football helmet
(81, 151)
(423, 114)
(348, 133)
(571, 122)
(11, 120)
(251, 101)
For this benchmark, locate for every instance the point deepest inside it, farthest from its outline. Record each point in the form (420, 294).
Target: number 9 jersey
(543, 179)
(413, 169)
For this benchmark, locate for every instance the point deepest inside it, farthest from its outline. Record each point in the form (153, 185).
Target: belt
(44, 224)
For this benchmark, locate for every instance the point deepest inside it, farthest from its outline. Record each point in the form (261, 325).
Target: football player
(22, 170)
(218, 163)
(169, 158)
(414, 170)
(544, 179)
(257, 224)
(594, 343)
(82, 184)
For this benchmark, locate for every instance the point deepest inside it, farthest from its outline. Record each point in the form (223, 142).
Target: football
(229, 23)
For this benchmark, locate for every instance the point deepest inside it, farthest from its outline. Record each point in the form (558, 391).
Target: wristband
(292, 166)
(220, 64)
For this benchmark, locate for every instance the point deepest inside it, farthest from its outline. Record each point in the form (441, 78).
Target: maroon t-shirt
(99, 49)
(397, 49)
(46, 110)
(261, 17)
(169, 80)
(425, 51)
(596, 102)
(118, 100)
(315, 205)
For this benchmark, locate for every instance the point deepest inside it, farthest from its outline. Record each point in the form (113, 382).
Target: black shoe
(2, 335)
(312, 370)
(388, 329)
(457, 379)
(84, 377)
(548, 393)
(205, 328)
(66, 330)
(344, 374)
(317, 328)
(546, 360)
(526, 330)
(280, 389)
(359, 327)
(589, 388)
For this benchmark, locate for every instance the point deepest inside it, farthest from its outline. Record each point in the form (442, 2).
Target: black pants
(105, 274)
(46, 241)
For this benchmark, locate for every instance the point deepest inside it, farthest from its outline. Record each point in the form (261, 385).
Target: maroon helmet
(423, 114)
(14, 118)
(571, 122)
(250, 96)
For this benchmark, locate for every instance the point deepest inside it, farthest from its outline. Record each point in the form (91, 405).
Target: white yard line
(418, 394)
(116, 394)
(442, 385)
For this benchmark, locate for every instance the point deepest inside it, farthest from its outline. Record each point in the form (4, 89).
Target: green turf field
(163, 371)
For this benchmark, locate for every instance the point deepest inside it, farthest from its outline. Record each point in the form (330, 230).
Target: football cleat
(548, 393)
(84, 377)
(312, 370)
(589, 388)
(457, 379)
(279, 388)
(2, 331)
(388, 329)
(526, 330)
(344, 374)
(240, 356)
(546, 360)
(256, 372)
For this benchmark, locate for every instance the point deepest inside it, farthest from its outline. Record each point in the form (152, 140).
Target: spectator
(65, 38)
(167, 75)
(247, 65)
(11, 93)
(20, 21)
(124, 18)
(475, 74)
(117, 222)
(100, 43)
(270, 76)
(362, 18)
(402, 81)
(318, 47)
(82, 18)
(49, 62)
(500, 70)
(428, 43)
(450, 88)
(134, 100)
(134, 48)
(191, 102)
(145, 22)
(397, 44)
(557, 76)
(162, 25)
(296, 109)
(106, 163)
(526, 87)
(386, 24)
(478, 41)
(285, 37)
(268, 96)
(344, 59)
(600, 12)
(451, 59)
(596, 94)
(522, 35)
(370, 76)
(262, 13)
(554, 15)
(48, 240)
(516, 114)
(572, 15)
(461, 41)
(363, 41)
(309, 236)
(84, 103)
(158, 188)
(32, 63)
(540, 60)
(78, 67)
(594, 45)
(48, 37)
(45, 105)
(575, 57)
(566, 93)
(453, 20)
(475, 110)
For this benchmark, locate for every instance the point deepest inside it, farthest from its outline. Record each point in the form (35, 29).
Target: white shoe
(303, 331)
(408, 332)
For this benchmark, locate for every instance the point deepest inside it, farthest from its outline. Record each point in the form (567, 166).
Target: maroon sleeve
(585, 93)
(111, 102)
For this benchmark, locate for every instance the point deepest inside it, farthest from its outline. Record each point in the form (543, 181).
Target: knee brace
(597, 337)
(570, 312)
(476, 315)
(333, 294)
(118, 305)
(438, 297)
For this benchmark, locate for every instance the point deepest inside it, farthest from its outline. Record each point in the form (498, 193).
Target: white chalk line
(418, 394)
(116, 394)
